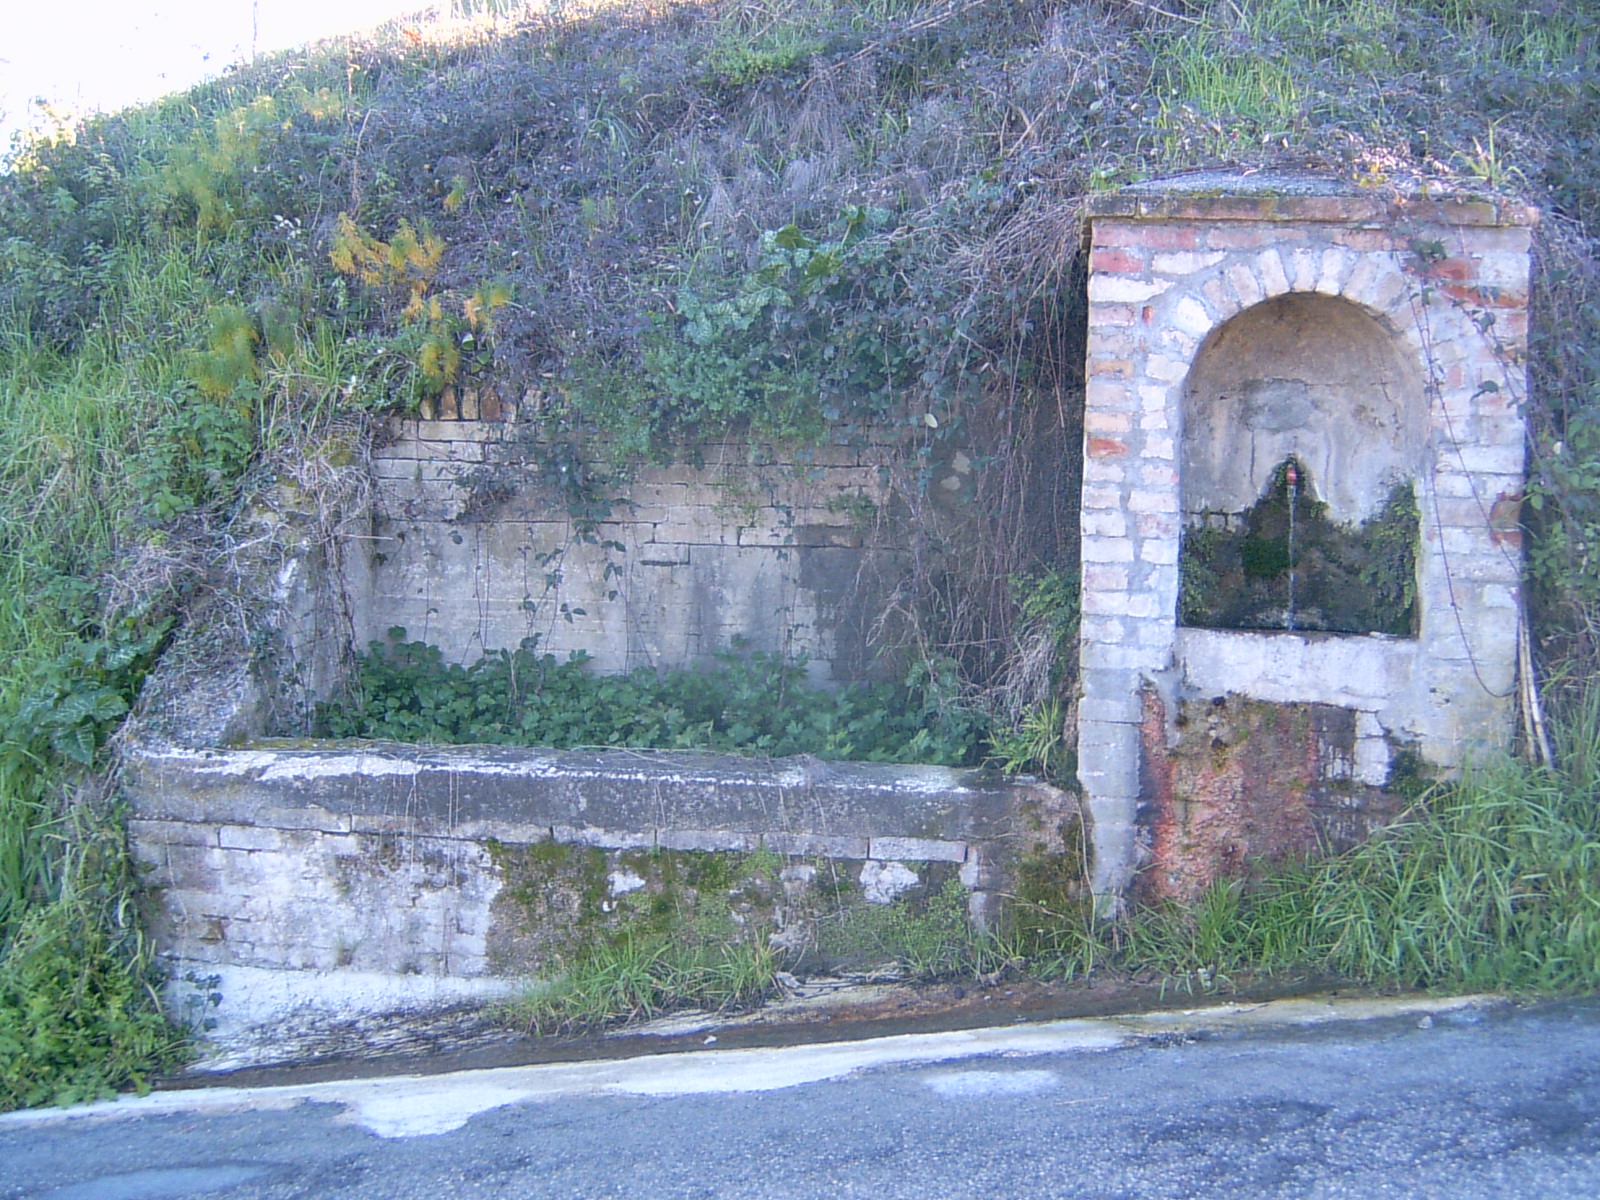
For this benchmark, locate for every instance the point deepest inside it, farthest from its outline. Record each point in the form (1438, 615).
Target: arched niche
(1305, 376)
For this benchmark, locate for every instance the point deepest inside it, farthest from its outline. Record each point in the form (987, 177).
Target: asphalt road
(1495, 1102)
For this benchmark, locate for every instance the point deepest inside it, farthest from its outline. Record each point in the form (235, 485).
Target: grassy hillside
(662, 220)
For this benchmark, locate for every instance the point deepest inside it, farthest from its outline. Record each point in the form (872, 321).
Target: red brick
(1152, 236)
(1365, 240)
(1107, 447)
(1243, 237)
(489, 406)
(1110, 314)
(1116, 262)
(1457, 270)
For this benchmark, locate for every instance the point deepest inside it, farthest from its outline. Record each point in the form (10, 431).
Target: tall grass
(642, 973)
(1491, 881)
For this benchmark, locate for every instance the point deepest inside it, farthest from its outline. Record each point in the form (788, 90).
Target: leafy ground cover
(755, 704)
(665, 220)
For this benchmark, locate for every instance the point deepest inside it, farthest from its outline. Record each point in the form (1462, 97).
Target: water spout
(1291, 477)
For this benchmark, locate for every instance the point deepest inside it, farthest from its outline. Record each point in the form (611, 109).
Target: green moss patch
(1284, 565)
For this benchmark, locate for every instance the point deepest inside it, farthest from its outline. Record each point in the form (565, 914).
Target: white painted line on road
(419, 1105)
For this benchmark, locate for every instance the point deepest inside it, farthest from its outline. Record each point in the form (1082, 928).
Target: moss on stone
(1346, 578)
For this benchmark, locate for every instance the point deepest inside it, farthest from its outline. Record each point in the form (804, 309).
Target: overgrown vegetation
(659, 220)
(1487, 883)
(1284, 564)
(753, 704)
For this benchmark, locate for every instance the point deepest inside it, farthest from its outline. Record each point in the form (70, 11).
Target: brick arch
(1374, 282)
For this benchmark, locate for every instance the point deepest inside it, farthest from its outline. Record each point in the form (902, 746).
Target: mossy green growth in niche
(1283, 564)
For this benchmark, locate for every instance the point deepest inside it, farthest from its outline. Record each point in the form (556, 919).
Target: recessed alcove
(1307, 376)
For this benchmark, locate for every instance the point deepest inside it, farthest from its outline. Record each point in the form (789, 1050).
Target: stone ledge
(1316, 668)
(642, 797)
(1281, 197)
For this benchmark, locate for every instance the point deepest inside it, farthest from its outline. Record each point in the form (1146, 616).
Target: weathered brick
(1102, 367)
(1165, 369)
(1101, 577)
(1124, 709)
(1184, 262)
(1303, 265)
(1106, 447)
(707, 839)
(1104, 523)
(1112, 316)
(171, 833)
(1238, 237)
(1154, 398)
(1116, 289)
(1105, 471)
(1152, 525)
(1105, 394)
(605, 839)
(1274, 280)
(1145, 500)
(1101, 421)
(1218, 296)
(1098, 629)
(1145, 236)
(821, 845)
(1115, 343)
(1192, 317)
(1246, 287)
(1117, 261)
(904, 849)
(247, 837)
(1159, 551)
(1333, 269)
(1113, 550)
(1365, 241)
(1158, 474)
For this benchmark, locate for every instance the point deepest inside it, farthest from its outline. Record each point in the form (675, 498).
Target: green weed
(932, 941)
(638, 974)
(751, 703)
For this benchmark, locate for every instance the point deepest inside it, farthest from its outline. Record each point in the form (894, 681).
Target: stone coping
(1349, 670)
(620, 799)
(1279, 197)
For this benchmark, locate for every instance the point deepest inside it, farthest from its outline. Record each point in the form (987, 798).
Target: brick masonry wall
(1166, 271)
(474, 550)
